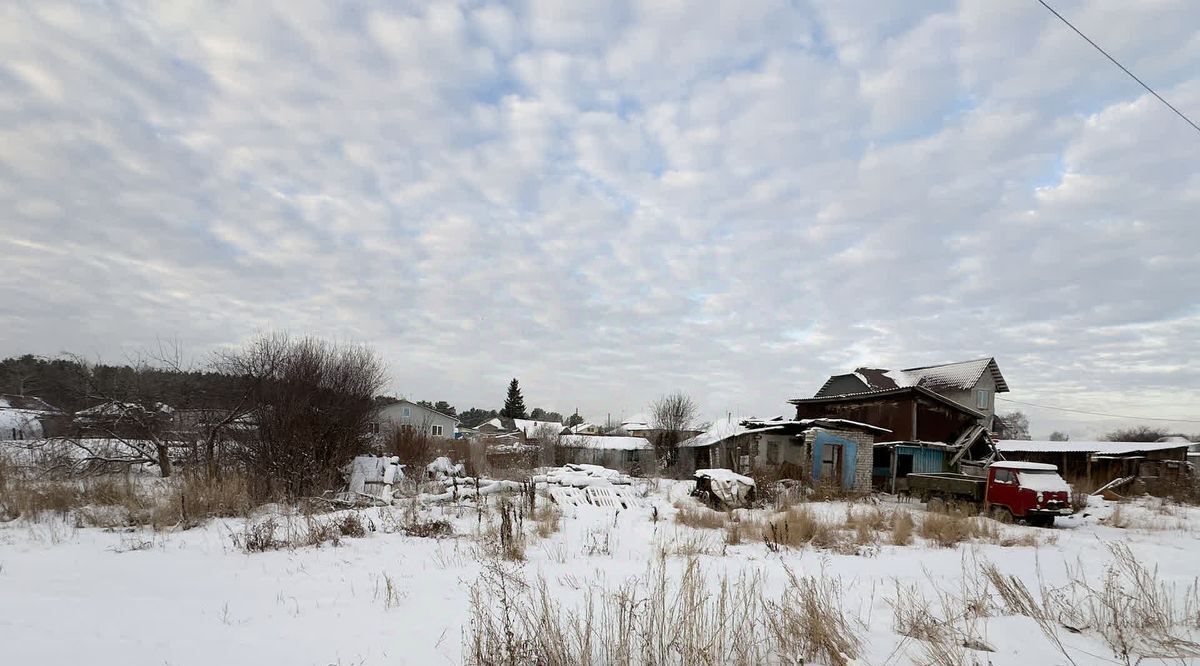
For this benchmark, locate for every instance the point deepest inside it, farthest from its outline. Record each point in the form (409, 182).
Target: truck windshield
(1042, 481)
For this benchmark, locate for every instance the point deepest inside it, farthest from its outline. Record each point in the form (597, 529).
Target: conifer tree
(514, 404)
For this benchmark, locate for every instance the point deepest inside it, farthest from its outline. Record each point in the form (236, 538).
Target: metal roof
(1102, 448)
(868, 395)
(958, 376)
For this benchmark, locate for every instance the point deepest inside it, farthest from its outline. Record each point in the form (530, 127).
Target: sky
(613, 200)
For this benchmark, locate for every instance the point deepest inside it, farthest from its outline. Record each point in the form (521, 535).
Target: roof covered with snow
(1102, 448)
(821, 423)
(603, 442)
(959, 376)
(718, 431)
(528, 426)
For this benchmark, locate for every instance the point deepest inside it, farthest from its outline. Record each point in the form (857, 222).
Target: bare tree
(1139, 433)
(312, 405)
(670, 415)
(1014, 425)
(1059, 436)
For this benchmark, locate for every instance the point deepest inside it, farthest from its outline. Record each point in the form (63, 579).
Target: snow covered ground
(86, 595)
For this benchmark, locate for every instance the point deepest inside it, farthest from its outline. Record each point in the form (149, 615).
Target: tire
(936, 505)
(1001, 514)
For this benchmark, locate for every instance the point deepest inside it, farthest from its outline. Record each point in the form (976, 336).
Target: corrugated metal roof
(1103, 448)
(958, 376)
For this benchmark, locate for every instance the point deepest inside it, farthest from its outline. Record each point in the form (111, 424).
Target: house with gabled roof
(972, 384)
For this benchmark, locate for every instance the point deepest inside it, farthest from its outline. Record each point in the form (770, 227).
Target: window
(983, 398)
(631, 457)
(406, 411)
(1004, 476)
(435, 430)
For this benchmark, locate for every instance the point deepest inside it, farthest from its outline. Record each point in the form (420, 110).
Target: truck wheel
(1001, 514)
(936, 505)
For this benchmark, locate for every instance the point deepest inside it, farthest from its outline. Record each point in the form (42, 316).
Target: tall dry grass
(659, 618)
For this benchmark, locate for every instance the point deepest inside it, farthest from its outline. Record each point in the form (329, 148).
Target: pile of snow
(441, 468)
(459, 488)
(582, 476)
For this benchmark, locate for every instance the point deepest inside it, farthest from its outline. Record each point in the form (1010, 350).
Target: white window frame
(436, 430)
(406, 411)
(983, 399)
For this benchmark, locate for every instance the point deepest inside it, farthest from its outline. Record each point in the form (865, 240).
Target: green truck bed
(947, 485)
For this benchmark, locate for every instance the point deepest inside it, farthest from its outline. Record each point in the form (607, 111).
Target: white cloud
(614, 200)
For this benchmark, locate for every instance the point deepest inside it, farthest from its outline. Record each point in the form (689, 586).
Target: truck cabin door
(1003, 490)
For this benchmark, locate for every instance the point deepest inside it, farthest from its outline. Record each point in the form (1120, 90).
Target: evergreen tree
(514, 404)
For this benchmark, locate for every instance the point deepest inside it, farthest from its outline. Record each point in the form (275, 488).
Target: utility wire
(1123, 68)
(1115, 416)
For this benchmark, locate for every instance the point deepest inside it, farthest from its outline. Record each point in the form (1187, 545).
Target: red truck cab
(1032, 492)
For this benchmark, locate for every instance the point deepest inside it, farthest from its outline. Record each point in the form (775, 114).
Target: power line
(1080, 411)
(1123, 68)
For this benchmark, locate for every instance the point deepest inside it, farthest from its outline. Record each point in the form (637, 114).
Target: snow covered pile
(725, 487)
(582, 476)
(441, 469)
(372, 477)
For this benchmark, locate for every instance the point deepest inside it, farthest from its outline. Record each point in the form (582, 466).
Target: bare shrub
(351, 525)
(312, 402)
(258, 537)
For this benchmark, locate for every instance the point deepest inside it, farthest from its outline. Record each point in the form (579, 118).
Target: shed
(1093, 464)
(894, 461)
(632, 455)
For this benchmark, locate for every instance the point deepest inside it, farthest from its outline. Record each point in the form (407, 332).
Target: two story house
(972, 384)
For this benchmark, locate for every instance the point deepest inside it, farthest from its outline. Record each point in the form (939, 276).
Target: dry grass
(660, 618)
(548, 519)
(902, 528)
(288, 532)
(125, 500)
(800, 526)
(947, 530)
(700, 517)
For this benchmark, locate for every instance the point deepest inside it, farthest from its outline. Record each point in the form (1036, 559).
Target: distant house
(639, 425)
(27, 417)
(408, 415)
(628, 454)
(833, 451)
(972, 384)
(527, 428)
(120, 419)
(585, 428)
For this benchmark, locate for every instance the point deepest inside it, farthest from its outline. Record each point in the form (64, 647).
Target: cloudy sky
(611, 200)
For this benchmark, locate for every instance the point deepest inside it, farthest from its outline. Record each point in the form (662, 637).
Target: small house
(837, 452)
(527, 429)
(407, 415)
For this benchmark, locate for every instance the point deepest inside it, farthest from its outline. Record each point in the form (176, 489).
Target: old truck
(1016, 491)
